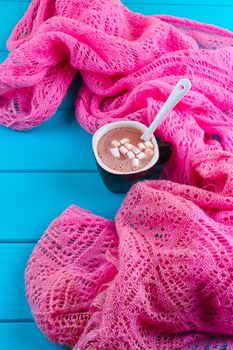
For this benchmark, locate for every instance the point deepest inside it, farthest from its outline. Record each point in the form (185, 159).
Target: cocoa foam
(122, 150)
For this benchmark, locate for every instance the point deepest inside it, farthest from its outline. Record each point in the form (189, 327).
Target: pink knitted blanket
(161, 276)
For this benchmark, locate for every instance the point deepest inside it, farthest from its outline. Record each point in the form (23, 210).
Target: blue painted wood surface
(31, 200)
(44, 170)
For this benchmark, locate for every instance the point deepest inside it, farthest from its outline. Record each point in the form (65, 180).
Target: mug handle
(165, 152)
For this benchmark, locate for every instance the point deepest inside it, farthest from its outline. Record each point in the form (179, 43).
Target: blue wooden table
(44, 170)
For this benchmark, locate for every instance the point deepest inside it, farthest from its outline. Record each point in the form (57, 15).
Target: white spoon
(181, 88)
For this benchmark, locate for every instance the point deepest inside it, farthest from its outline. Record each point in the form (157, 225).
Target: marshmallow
(136, 162)
(115, 152)
(135, 150)
(123, 141)
(115, 143)
(149, 144)
(123, 149)
(149, 152)
(129, 146)
(130, 155)
(141, 155)
(141, 146)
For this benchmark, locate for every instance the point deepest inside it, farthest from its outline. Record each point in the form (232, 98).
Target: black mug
(121, 182)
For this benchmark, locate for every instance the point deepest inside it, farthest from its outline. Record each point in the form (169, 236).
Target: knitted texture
(129, 64)
(68, 268)
(160, 278)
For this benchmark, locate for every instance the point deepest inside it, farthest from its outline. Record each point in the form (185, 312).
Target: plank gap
(18, 241)
(17, 320)
(48, 171)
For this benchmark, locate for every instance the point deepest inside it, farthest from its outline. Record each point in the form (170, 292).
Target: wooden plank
(175, 2)
(155, 3)
(217, 15)
(11, 12)
(13, 303)
(59, 143)
(24, 336)
(3, 56)
(29, 201)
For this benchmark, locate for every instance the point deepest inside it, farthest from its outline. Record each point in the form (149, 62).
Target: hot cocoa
(123, 150)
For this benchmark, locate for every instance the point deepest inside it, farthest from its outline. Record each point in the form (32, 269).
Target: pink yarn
(161, 276)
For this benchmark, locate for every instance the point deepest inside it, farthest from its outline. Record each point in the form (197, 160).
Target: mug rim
(124, 123)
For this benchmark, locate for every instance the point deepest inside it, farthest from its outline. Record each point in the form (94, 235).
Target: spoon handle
(181, 88)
